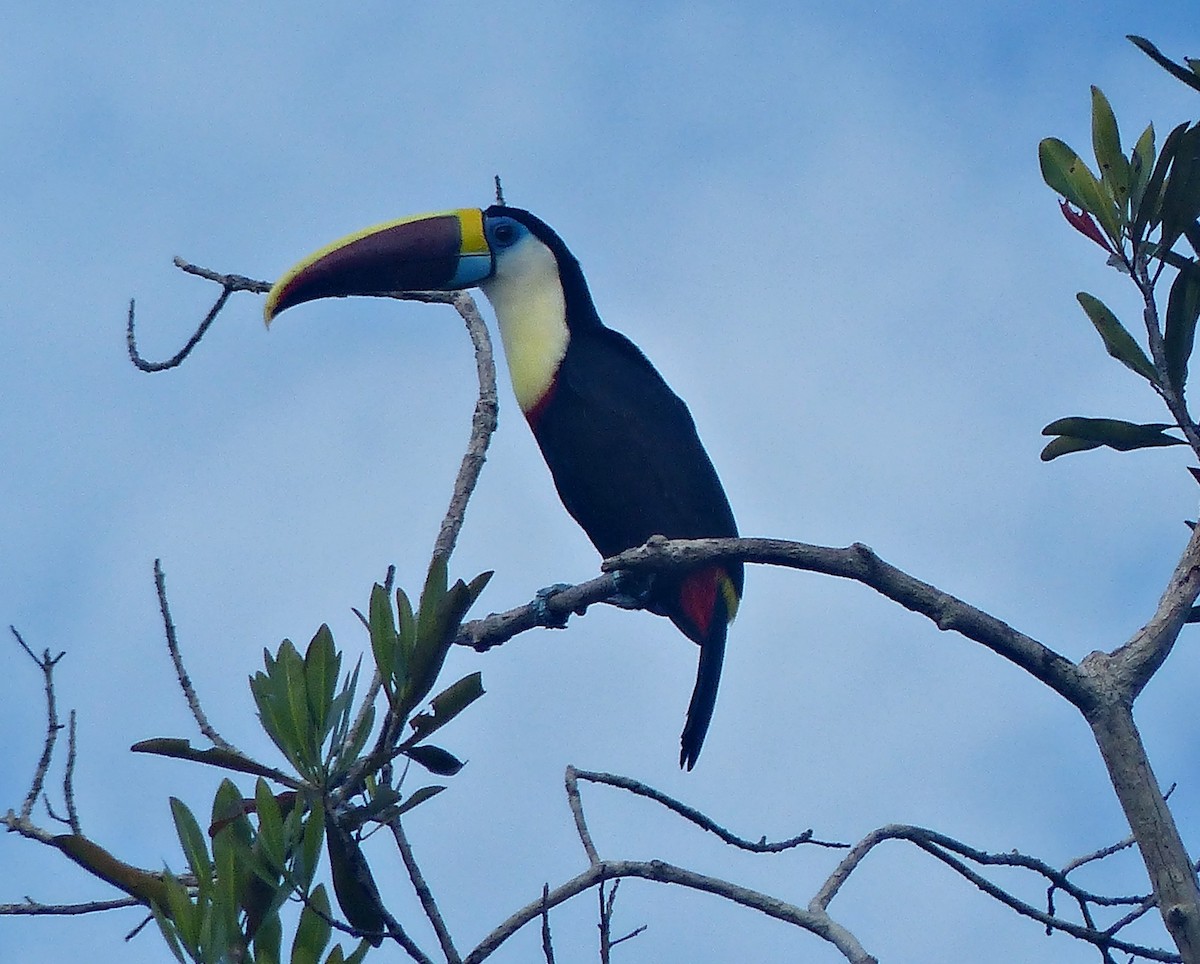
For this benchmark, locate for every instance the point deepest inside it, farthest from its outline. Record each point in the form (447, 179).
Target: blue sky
(826, 226)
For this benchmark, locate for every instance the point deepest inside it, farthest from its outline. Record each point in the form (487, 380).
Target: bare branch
(860, 563)
(606, 912)
(424, 894)
(945, 848)
(234, 282)
(575, 802)
(69, 777)
(46, 664)
(185, 682)
(550, 611)
(818, 923)
(547, 944)
(483, 424)
(229, 284)
(762, 846)
(31, 908)
(1167, 862)
(1130, 667)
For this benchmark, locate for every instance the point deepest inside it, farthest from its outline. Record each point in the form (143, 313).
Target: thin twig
(185, 682)
(30, 908)
(762, 846)
(575, 802)
(424, 894)
(229, 284)
(483, 425)
(547, 943)
(69, 777)
(606, 909)
(46, 664)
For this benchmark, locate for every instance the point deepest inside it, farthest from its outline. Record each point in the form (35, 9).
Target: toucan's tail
(704, 696)
(709, 598)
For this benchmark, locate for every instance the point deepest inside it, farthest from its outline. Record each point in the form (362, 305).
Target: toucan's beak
(429, 252)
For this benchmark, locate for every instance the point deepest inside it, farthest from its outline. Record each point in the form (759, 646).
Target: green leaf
(359, 953)
(1064, 445)
(1174, 69)
(418, 797)
(322, 664)
(476, 586)
(389, 658)
(268, 941)
(1115, 433)
(1065, 172)
(1183, 308)
(353, 883)
(229, 886)
(1106, 142)
(1181, 195)
(270, 824)
(184, 914)
(406, 624)
(146, 887)
(304, 751)
(194, 847)
(1148, 208)
(213, 756)
(308, 856)
(446, 706)
(167, 928)
(1117, 340)
(312, 936)
(1141, 165)
(441, 762)
(429, 610)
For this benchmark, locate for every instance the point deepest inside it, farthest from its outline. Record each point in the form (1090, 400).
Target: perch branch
(860, 563)
(550, 611)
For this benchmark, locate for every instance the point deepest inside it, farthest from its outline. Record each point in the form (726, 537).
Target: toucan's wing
(624, 451)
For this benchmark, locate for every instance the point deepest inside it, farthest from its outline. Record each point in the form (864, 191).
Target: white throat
(527, 295)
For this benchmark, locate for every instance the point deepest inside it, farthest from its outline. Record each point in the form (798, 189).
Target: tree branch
(859, 563)
(704, 822)
(817, 923)
(424, 894)
(46, 664)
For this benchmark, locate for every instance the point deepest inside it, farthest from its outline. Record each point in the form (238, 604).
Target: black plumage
(628, 464)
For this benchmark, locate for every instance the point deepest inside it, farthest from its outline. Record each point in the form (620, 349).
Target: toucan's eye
(505, 234)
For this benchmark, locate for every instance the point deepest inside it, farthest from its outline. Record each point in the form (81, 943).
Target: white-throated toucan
(621, 446)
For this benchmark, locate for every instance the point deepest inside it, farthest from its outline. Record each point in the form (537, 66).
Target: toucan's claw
(634, 589)
(541, 607)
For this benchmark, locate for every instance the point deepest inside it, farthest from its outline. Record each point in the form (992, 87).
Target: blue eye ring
(505, 233)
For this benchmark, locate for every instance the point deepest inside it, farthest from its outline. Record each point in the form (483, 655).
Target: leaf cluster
(231, 909)
(1137, 207)
(234, 892)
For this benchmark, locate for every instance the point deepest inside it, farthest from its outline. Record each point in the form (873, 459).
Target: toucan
(621, 446)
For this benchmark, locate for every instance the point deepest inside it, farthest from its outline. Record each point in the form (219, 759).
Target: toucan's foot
(633, 589)
(541, 609)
